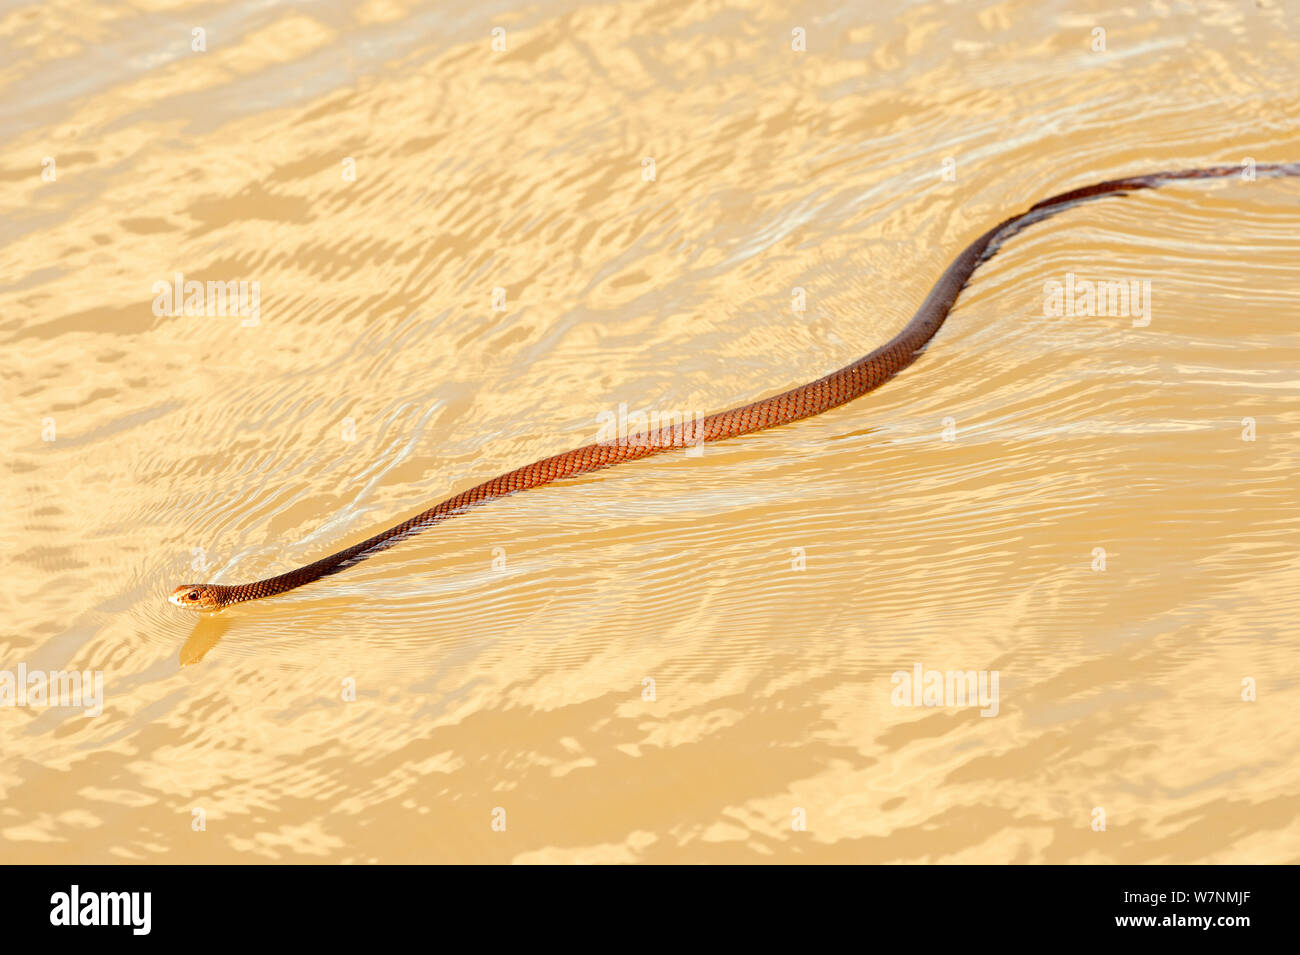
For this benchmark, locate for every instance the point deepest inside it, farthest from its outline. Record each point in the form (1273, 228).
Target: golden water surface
(476, 231)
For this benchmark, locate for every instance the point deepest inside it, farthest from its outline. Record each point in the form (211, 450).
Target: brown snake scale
(851, 381)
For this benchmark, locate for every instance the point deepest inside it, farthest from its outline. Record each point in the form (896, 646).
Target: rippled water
(687, 658)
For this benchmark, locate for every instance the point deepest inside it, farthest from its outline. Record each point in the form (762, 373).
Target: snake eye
(191, 596)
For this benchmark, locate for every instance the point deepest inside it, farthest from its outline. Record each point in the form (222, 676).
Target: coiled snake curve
(851, 381)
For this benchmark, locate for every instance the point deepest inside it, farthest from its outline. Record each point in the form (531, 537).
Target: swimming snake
(851, 381)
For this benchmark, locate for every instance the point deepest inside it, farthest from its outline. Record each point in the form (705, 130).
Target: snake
(835, 389)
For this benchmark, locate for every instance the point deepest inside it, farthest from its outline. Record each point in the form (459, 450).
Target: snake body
(851, 381)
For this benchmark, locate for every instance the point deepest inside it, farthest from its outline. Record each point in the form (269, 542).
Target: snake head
(201, 597)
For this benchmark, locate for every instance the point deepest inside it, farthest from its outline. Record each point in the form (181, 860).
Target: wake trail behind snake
(837, 388)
